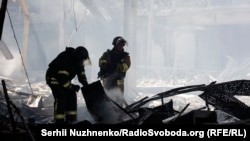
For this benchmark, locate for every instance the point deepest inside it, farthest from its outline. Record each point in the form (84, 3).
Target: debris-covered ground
(22, 112)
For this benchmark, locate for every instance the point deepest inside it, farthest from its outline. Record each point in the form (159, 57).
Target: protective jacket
(113, 62)
(64, 68)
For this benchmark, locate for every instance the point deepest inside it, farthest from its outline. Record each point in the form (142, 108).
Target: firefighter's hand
(75, 88)
(122, 67)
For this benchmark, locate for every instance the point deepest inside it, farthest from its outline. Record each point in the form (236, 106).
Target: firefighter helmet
(118, 40)
(81, 53)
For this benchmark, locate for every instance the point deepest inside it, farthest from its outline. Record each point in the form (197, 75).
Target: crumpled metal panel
(221, 96)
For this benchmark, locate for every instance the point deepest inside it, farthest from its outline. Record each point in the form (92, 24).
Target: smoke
(106, 112)
(116, 95)
(101, 107)
(11, 68)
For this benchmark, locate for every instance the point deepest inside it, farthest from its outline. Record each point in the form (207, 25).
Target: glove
(123, 67)
(74, 88)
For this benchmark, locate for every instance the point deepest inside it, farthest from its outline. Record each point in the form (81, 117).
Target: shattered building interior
(189, 58)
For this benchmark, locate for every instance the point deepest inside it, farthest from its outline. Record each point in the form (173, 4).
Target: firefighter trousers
(65, 105)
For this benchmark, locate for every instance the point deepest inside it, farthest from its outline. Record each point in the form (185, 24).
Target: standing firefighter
(113, 65)
(61, 71)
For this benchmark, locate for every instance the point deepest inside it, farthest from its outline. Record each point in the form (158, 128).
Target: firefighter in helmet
(113, 65)
(59, 75)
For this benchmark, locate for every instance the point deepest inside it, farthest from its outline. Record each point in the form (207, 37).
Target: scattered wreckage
(227, 108)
